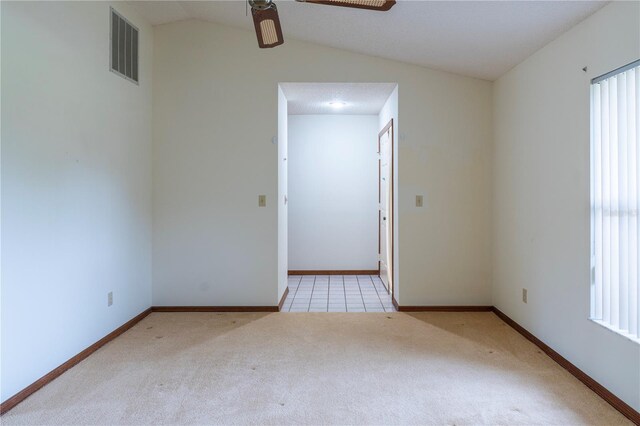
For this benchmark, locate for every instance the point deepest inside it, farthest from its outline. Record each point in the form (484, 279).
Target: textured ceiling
(481, 39)
(315, 98)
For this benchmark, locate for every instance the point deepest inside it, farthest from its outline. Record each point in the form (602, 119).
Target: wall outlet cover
(419, 201)
(262, 200)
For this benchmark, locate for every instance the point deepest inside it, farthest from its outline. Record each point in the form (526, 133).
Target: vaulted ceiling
(482, 39)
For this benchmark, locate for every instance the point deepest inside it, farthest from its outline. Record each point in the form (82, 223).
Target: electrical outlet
(262, 201)
(418, 200)
(110, 298)
(524, 295)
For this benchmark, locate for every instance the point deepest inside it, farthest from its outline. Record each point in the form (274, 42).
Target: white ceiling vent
(124, 47)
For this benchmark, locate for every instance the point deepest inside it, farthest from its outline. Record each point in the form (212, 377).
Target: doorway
(336, 250)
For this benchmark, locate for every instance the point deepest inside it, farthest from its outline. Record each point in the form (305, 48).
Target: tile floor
(337, 293)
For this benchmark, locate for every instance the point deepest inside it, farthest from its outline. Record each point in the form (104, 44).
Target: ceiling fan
(267, 22)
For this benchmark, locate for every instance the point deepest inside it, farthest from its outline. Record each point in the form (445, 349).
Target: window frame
(592, 207)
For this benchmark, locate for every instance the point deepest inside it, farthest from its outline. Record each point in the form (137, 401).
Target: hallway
(337, 293)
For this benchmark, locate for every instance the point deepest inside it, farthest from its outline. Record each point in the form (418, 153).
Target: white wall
(76, 185)
(283, 207)
(541, 202)
(215, 113)
(333, 192)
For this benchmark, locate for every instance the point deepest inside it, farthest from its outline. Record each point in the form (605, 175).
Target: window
(615, 187)
(124, 47)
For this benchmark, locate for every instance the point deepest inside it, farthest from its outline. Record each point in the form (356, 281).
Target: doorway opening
(337, 186)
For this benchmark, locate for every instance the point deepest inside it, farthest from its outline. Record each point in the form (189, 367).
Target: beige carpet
(326, 368)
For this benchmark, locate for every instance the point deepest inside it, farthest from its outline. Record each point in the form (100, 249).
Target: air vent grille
(124, 47)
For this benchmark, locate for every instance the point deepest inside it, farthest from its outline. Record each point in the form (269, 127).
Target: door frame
(384, 130)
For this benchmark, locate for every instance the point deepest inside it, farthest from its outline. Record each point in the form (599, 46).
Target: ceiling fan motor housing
(260, 4)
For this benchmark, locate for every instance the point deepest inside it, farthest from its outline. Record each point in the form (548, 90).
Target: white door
(385, 197)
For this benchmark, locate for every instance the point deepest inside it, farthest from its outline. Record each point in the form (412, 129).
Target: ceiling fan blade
(268, 28)
(381, 5)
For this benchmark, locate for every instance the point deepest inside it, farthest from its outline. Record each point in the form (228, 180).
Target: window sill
(617, 331)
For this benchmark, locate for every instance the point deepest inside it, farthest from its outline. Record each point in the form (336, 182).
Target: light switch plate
(524, 295)
(110, 298)
(418, 200)
(262, 201)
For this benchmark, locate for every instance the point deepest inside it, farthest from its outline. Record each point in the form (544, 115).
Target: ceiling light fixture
(337, 104)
